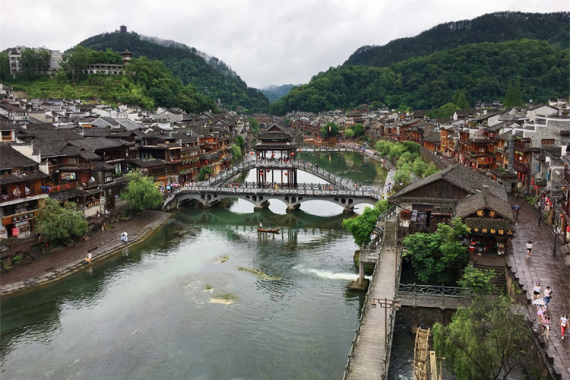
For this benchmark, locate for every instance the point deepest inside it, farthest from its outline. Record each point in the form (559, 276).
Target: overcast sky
(265, 41)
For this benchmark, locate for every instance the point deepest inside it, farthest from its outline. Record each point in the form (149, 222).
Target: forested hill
(274, 93)
(494, 27)
(209, 75)
(483, 71)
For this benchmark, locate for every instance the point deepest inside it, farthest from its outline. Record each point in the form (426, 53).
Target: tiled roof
(484, 200)
(11, 158)
(461, 177)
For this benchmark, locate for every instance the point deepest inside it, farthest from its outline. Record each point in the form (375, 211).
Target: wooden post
(360, 269)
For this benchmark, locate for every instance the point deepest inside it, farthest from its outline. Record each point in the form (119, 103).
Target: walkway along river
(205, 297)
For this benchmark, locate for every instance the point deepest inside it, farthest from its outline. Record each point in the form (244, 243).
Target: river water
(205, 297)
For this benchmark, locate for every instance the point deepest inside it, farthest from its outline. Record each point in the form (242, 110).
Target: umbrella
(539, 301)
(517, 207)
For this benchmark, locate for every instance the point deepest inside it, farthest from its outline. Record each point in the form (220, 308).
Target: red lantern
(286, 173)
(268, 170)
(299, 150)
(272, 154)
(206, 162)
(260, 173)
(251, 153)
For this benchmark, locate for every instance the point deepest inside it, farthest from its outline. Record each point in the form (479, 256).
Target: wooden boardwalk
(370, 354)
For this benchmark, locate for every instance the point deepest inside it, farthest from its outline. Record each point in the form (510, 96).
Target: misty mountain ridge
(492, 27)
(274, 92)
(210, 75)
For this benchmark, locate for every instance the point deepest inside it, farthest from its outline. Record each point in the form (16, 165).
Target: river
(205, 297)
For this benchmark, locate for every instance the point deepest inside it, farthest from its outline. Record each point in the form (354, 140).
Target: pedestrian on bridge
(528, 248)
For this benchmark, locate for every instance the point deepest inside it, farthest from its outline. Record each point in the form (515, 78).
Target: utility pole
(554, 229)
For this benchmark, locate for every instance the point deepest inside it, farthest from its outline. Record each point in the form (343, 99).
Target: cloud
(265, 42)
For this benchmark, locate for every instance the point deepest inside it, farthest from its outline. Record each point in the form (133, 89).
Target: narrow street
(548, 270)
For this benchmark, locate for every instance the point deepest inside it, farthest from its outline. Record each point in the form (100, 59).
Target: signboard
(68, 176)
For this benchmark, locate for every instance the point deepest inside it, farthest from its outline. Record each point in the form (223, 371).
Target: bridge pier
(348, 210)
(291, 208)
(261, 206)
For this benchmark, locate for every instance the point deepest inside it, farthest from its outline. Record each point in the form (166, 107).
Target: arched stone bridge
(208, 196)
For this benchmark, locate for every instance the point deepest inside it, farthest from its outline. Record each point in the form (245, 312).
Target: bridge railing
(435, 290)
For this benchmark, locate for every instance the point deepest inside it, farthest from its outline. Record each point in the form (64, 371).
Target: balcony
(523, 146)
(521, 167)
(6, 199)
(23, 216)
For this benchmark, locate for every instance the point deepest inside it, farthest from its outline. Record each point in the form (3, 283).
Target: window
(6, 135)
(547, 142)
(72, 160)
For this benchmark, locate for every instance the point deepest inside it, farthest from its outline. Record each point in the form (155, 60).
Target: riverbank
(63, 261)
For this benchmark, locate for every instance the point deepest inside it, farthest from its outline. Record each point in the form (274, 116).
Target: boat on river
(269, 230)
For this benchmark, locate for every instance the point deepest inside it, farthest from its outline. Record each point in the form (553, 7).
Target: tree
(140, 193)
(330, 129)
(348, 133)
(74, 62)
(57, 223)
(236, 153)
(4, 67)
(477, 280)
(34, 62)
(460, 100)
(513, 97)
(438, 257)
(240, 141)
(487, 340)
(444, 112)
(358, 129)
(69, 92)
(362, 225)
(253, 126)
(205, 173)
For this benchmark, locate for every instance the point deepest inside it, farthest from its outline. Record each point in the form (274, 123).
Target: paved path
(370, 352)
(65, 260)
(549, 270)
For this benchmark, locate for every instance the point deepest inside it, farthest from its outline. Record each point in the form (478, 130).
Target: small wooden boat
(269, 230)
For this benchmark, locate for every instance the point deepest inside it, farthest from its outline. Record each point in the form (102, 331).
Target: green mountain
(274, 93)
(494, 27)
(483, 71)
(209, 75)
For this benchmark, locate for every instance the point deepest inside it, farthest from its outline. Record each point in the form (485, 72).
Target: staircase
(390, 234)
(500, 279)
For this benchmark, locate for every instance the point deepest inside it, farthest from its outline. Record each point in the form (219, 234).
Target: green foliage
(17, 258)
(330, 129)
(493, 27)
(34, 62)
(444, 112)
(236, 153)
(382, 206)
(513, 97)
(140, 193)
(212, 78)
(362, 225)
(358, 129)
(485, 341)
(477, 280)
(57, 223)
(4, 67)
(240, 141)
(438, 257)
(348, 133)
(483, 70)
(460, 100)
(205, 173)
(145, 83)
(253, 126)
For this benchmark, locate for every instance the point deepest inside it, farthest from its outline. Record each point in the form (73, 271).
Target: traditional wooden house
(432, 200)
(489, 219)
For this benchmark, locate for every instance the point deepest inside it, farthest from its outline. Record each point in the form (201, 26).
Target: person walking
(536, 291)
(546, 322)
(547, 295)
(563, 324)
(528, 248)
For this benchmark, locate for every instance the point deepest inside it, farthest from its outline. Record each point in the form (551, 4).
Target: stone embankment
(63, 261)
